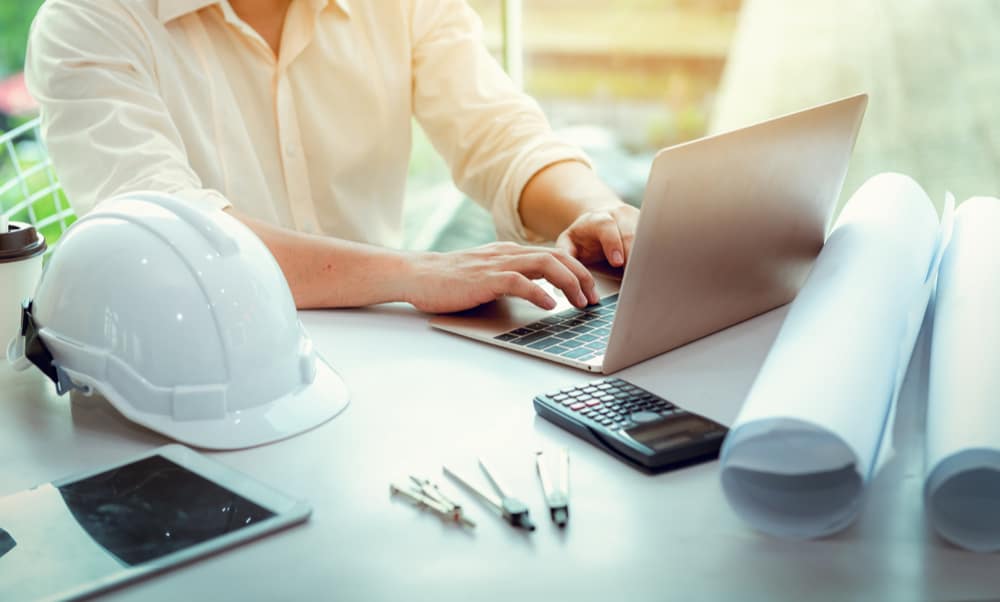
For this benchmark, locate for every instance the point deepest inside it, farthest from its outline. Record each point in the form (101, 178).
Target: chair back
(29, 189)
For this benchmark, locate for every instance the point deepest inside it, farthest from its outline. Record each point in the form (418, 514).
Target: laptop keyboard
(578, 334)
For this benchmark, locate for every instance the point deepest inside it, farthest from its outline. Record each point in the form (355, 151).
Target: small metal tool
(427, 495)
(511, 509)
(556, 494)
(432, 491)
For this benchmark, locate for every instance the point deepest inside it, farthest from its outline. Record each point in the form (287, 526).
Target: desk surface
(422, 398)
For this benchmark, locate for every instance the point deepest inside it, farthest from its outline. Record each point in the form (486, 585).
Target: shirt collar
(168, 10)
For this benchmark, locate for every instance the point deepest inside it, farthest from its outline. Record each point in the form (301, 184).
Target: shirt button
(291, 151)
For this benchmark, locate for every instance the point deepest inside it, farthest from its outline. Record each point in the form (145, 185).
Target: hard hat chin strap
(36, 352)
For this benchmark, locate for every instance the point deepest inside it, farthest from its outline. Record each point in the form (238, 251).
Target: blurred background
(623, 78)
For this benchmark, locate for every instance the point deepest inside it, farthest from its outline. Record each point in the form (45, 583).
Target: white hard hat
(182, 319)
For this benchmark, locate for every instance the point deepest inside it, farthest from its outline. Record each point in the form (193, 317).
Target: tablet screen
(86, 531)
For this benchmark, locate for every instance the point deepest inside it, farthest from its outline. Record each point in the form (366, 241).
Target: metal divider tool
(511, 509)
(556, 494)
(425, 494)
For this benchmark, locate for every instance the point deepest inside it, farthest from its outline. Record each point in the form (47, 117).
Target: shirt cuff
(526, 164)
(205, 198)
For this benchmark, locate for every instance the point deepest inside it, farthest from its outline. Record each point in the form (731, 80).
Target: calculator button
(577, 406)
(644, 416)
(593, 402)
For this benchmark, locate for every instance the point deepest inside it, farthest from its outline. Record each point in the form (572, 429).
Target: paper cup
(21, 249)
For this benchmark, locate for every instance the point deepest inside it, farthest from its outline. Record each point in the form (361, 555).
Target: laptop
(728, 229)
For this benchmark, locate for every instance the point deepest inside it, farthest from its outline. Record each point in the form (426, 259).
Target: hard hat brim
(290, 415)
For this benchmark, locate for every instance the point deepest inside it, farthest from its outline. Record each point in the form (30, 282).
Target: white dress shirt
(182, 96)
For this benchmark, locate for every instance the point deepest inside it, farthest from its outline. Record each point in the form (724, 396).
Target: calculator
(638, 427)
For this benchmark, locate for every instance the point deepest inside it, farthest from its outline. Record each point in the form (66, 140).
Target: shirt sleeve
(106, 127)
(493, 137)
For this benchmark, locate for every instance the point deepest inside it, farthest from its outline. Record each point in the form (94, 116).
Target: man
(294, 116)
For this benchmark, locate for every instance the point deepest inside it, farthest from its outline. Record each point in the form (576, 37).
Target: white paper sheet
(962, 487)
(916, 317)
(809, 435)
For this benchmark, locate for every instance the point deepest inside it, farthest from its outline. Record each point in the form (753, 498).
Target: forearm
(328, 272)
(557, 195)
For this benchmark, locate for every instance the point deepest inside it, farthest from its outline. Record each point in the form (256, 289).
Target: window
(620, 78)
(930, 69)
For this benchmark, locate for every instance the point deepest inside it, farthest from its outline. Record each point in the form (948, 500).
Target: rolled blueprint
(807, 439)
(962, 486)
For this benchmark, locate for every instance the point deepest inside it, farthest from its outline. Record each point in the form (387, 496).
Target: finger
(518, 285)
(628, 238)
(611, 241)
(582, 274)
(545, 265)
(565, 243)
(626, 229)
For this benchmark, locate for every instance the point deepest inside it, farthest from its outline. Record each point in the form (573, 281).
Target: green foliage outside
(15, 21)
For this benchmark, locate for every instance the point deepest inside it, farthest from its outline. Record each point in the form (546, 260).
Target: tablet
(89, 532)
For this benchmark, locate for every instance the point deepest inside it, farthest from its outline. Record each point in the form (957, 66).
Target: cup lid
(20, 241)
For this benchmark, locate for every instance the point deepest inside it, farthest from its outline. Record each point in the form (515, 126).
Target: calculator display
(671, 431)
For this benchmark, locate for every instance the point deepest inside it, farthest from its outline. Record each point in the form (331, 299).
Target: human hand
(447, 282)
(598, 235)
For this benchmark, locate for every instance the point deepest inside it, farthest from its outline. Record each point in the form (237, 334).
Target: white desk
(422, 398)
